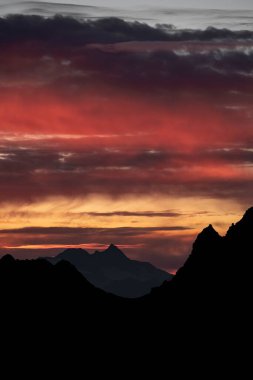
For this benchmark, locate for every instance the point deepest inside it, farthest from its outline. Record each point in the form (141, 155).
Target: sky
(120, 132)
(182, 14)
(220, 4)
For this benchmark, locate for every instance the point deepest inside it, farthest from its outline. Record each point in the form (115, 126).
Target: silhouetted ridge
(244, 226)
(202, 261)
(248, 216)
(76, 251)
(7, 259)
(42, 286)
(217, 276)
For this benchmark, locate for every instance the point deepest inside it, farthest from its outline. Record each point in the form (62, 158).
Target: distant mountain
(114, 272)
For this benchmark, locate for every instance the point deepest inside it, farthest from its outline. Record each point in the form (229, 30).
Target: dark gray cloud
(211, 60)
(63, 231)
(147, 214)
(68, 31)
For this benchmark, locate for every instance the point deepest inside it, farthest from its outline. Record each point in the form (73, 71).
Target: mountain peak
(209, 234)
(8, 259)
(113, 249)
(209, 231)
(114, 252)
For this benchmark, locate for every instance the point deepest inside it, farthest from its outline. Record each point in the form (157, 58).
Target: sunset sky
(113, 131)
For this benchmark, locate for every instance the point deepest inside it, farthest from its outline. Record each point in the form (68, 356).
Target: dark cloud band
(69, 31)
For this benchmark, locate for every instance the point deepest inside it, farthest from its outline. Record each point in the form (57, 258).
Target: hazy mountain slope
(113, 272)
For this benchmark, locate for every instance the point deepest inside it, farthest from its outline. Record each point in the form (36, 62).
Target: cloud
(32, 173)
(66, 54)
(29, 173)
(63, 231)
(147, 214)
(66, 31)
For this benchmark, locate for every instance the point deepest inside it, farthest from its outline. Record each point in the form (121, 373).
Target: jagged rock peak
(209, 231)
(113, 249)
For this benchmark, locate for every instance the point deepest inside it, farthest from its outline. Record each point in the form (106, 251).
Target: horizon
(119, 132)
(92, 249)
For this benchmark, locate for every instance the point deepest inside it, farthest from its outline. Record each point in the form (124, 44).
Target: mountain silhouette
(223, 259)
(212, 290)
(215, 281)
(112, 271)
(39, 288)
